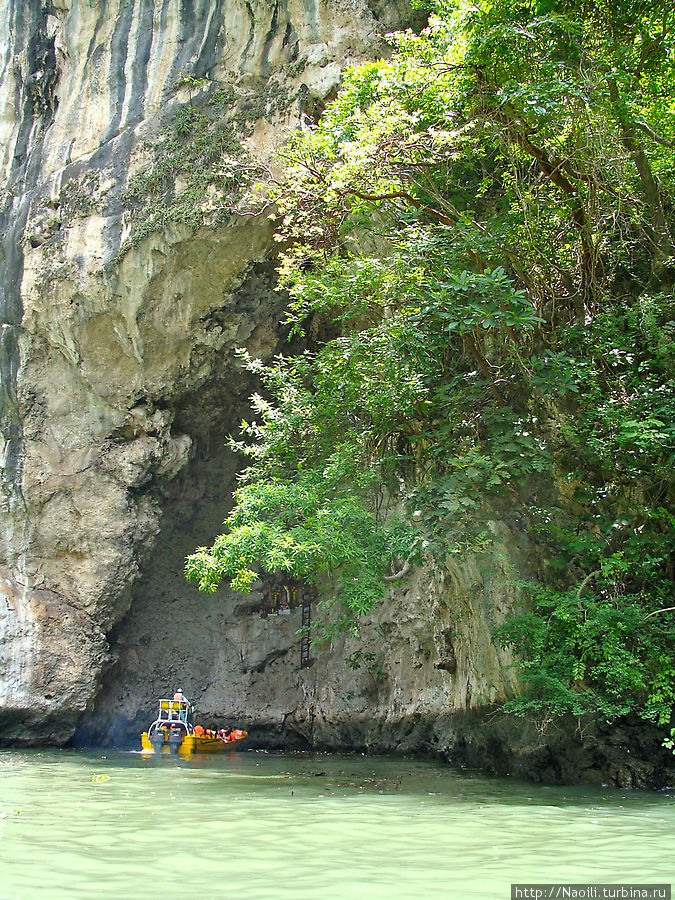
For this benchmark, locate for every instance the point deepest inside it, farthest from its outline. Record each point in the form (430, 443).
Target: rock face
(129, 273)
(425, 655)
(117, 353)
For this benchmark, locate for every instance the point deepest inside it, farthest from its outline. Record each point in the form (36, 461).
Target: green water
(257, 825)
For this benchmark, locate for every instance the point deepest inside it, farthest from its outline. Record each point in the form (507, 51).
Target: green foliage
(478, 249)
(308, 529)
(597, 649)
(311, 505)
(190, 81)
(367, 659)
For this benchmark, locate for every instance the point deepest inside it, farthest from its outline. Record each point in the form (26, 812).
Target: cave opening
(216, 646)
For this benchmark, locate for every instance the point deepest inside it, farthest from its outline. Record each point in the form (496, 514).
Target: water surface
(306, 826)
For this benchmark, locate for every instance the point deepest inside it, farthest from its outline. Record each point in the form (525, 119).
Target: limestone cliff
(129, 273)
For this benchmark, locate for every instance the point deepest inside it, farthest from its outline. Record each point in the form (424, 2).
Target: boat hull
(195, 743)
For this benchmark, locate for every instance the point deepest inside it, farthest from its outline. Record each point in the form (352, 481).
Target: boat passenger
(179, 695)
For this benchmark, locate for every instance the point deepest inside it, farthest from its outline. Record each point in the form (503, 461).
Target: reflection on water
(305, 826)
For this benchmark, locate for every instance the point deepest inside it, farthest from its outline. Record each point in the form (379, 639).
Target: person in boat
(180, 714)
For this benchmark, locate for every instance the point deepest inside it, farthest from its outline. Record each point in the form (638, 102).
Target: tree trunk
(663, 239)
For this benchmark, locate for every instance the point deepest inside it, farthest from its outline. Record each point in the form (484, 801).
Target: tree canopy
(478, 249)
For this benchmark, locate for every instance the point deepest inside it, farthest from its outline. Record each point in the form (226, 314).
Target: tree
(478, 228)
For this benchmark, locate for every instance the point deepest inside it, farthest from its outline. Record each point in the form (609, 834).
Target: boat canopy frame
(173, 714)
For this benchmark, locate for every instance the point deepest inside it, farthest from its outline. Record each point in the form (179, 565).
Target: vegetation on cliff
(482, 226)
(197, 169)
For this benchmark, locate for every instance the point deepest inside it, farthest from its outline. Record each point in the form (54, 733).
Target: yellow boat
(173, 732)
